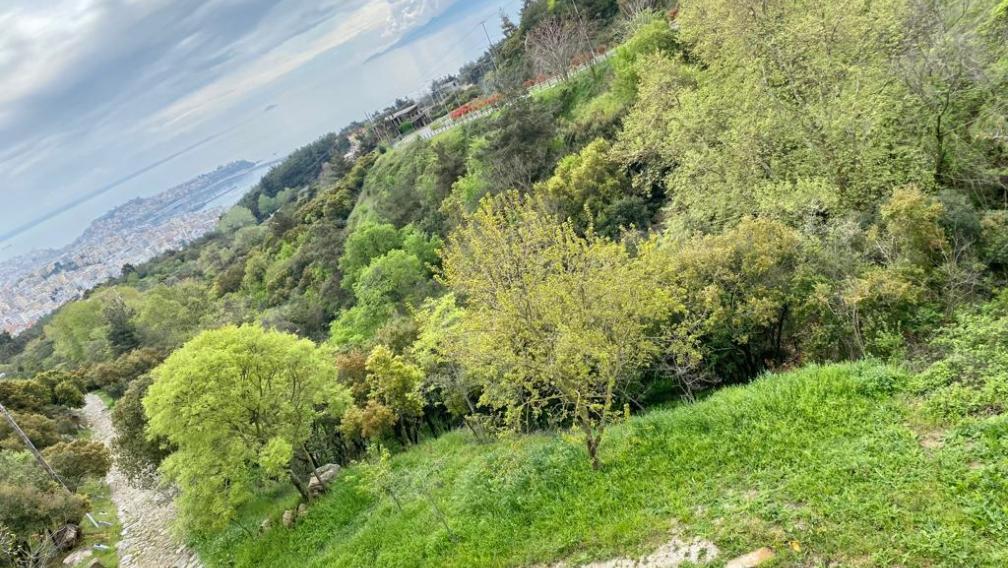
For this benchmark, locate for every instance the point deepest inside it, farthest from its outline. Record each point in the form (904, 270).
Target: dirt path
(145, 514)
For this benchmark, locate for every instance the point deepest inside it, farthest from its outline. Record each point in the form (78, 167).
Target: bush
(654, 37)
(29, 510)
(24, 395)
(77, 460)
(41, 430)
(971, 376)
(67, 394)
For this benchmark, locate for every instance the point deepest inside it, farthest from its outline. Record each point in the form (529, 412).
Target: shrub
(28, 510)
(67, 394)
(41, 430)
(78, 460)
(24, 395)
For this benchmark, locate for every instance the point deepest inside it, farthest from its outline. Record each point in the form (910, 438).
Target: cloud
(406, 14)
(90, 89)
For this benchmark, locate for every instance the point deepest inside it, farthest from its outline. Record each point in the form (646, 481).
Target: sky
(102, 101)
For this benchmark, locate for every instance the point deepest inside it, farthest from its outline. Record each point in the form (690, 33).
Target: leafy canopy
(237, 402)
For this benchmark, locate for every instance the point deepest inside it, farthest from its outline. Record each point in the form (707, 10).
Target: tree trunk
(314, 466)
(298, 485)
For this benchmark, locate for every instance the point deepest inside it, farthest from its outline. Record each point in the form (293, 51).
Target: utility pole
(490, 47)
(584, 31)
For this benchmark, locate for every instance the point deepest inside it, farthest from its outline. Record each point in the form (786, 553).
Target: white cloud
(269, 67)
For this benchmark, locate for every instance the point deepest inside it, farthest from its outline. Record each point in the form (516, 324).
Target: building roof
(404, 111)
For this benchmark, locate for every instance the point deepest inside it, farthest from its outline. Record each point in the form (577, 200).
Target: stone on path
(77, 557)
(751, 560)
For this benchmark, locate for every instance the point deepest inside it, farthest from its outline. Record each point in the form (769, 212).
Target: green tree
(585, 186)
(367, 242)
(136, 454)
(78, 331)
(440, 338)
(40, 429)
(553, 320)
(236, 218)
(397, 384)
(122, 333)
(22, 394)
(68, 394)
(238, 403)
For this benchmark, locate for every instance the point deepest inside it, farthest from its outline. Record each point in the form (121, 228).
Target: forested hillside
(740, 279)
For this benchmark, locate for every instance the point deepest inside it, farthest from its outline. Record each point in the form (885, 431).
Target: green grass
(824, 464)
(103, 509)
(106, 398)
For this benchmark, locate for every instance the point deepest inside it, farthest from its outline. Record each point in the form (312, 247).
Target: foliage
(30, 502)
(78, 331)
(588, 188)
(301, 168)
(235, 218)
(236, 403)
(629, 61)
(561, 321)
(68, 394)
(137, 456)
(26, 395)
(396, 385)
(122, 332)
(40, 429)
(741, 290)
(29, 510)
(116, 376)
(78, 460)
(970, 375)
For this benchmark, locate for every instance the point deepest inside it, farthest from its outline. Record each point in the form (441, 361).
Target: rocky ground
(145, 514)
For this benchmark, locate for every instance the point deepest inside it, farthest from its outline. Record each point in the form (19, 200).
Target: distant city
(34, 284)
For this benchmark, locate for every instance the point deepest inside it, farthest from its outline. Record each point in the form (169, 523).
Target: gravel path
(145, 514)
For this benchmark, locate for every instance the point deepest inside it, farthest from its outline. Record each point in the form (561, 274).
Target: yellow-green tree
(238, 403)
(553, 319)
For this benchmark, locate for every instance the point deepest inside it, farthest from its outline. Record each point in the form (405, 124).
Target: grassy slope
(826, 458)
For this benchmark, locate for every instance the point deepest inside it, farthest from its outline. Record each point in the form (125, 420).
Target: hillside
(740, 283)
(831, 465)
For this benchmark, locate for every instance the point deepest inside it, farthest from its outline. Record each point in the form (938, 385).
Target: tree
(136, 454)
(585, 188)
(397, 384)
(953, 67)
(40, 429)
(78, 331)
(440, 338)
(22, 394)
(30, 502)
(367, 242)
(742, 289)
(68, 394)
(238, 403)
(553, 320)
(122, 333)
(236, 218)
(554, 44)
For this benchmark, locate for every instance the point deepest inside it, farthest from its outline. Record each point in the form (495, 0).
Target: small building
(412, 114)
